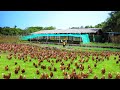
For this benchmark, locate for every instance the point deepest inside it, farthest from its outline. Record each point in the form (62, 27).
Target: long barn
(71, 35)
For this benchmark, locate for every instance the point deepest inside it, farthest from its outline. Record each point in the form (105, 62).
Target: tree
(49, 28)
(101, 25)
(81, 27)
(15, 26)
(113, 22)
(86, 26)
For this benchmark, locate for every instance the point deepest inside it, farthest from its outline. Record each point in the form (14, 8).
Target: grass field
(75, 47)
(102, 44)
(103, 59)
(30, 53)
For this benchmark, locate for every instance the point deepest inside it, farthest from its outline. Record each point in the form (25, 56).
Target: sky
(58, 19)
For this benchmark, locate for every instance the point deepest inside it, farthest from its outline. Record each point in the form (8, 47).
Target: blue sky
(59, 19)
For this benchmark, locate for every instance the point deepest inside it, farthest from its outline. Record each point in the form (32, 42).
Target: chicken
(103, 71)
(55, 69)
(109, 75)
(33, 64)
(85, 75)
(20, 77)
(51, 74)
(30, 60)
(46, 75)
(117, 76)
(68, 68)
(16, 71)
(24, 77)
(37, 72)
(6, 68)
(15, 63)
(117, 62)
(36, 66)
(89, 66)
(49, 68)
(87, 60)
(18, 68)
(103, 77)
(90, 70)
(119, 59)
(6, 76)
(23, 70)
(95, 65)
(93, 58)
(65, 73)
(62, 63)
(43, 67)
(9, 57)
(95, 77)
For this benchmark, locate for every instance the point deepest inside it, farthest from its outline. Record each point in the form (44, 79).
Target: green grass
(109, 65)
(75, 47)
(102, 44)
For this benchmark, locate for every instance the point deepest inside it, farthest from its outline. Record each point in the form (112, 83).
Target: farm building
(76, 36)
(113, 37)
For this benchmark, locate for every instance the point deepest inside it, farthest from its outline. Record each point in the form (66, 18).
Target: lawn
(101, 44)
(46, 54)
(74, 47)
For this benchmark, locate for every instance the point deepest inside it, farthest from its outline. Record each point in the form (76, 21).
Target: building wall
(115, 39)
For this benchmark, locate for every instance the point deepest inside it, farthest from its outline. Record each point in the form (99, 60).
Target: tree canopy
(111, 24)
(18, 31)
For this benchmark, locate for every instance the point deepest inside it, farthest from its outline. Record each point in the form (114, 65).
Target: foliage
(112, 23)
(89, 26)
(18, 31)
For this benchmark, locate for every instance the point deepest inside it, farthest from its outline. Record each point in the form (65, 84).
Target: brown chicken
(15, 63)
(109, 75)
(51, 74)
(117, 76)
(89, 66)
(16, 71)
(103, 71)
(95, 65)
(90, 70)
(37, 72)
(103, 77)
(6, 68)
(49, 68)
(95, 77)
(6, 76)
(23, 70)
(55, 69)
(20, 77)
(117, 62)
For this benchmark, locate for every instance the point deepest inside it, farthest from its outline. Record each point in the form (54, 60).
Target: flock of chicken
(23, 51)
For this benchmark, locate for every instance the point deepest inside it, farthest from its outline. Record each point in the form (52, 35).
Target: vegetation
(18, 31)
(112, 23)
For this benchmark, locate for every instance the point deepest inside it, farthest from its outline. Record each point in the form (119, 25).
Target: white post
(59, 39)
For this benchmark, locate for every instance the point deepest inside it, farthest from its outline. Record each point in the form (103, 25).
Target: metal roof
(82, 30)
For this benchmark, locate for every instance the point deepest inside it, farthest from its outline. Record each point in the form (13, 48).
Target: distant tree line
(111, 24)
(18, 31)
